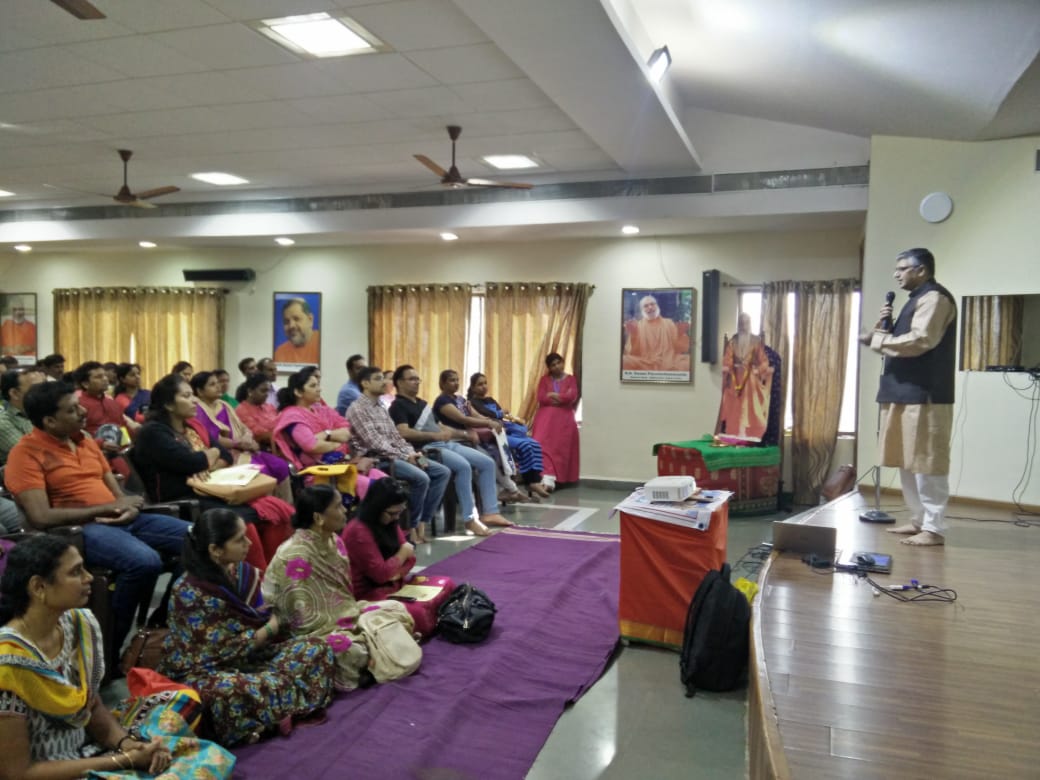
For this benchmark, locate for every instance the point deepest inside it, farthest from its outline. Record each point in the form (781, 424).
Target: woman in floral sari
(308, 584)
(224, 642)
(52, 720)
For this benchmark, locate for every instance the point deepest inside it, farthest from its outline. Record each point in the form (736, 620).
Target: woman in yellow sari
(52, 720)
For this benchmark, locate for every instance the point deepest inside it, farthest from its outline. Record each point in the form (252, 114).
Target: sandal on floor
(477, 528)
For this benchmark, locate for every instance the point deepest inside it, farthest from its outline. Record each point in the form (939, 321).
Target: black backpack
(715, 641)
(467, 615)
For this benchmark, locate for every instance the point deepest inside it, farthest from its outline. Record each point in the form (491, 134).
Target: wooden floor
(846, 684)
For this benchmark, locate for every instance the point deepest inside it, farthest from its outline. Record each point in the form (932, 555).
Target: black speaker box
(710, 317)
(219, 274)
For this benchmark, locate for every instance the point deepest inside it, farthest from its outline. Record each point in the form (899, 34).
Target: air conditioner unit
(219, 275)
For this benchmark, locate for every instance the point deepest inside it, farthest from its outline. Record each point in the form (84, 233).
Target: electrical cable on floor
(751, 562)
(917, 591)
(1018, 492)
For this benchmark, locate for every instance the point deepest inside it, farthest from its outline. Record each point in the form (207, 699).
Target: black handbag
(467, 616)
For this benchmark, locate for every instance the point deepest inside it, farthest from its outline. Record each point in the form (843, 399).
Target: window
(750, 302)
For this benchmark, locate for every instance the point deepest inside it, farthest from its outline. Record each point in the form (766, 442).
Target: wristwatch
(328, 434)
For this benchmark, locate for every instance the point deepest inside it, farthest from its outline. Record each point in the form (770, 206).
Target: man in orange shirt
(60, 477)
(303, 344)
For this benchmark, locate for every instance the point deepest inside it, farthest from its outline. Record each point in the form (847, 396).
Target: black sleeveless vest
(927, 378)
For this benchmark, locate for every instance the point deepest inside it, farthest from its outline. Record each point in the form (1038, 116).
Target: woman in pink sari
(554, 424)
(309, 432)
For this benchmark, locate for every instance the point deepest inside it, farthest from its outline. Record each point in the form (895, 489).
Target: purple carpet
(475, 711)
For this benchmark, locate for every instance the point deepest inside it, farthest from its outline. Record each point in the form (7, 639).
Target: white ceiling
(755, 85)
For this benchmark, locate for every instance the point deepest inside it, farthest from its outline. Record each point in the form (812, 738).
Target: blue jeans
(130, 552)
(463, 462)
(426, 488)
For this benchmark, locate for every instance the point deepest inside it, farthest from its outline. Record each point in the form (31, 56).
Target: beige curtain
(812, 370)
(992, 331)
(524, 322)
(424, 325)
(821, 344)
(152, 326)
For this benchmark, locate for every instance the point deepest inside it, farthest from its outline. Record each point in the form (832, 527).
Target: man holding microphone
(916, 393)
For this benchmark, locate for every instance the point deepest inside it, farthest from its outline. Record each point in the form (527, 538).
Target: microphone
(886, 323)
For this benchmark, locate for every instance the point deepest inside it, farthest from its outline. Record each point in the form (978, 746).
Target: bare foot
(496, 520)
(909, 528)
(477, 528)
(925, 539)
(420, 533)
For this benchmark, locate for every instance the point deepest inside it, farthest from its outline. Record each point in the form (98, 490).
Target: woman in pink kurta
(554, 424)
(381, 558)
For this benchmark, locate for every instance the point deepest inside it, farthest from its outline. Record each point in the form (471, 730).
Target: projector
(670, 488)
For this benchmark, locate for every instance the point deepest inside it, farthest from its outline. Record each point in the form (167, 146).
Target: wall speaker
(219, 274)
(710, 317)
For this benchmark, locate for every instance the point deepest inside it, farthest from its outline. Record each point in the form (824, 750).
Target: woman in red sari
(554, 423)
(309, 432)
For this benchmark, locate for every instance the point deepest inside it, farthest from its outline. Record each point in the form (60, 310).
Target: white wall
(621, 422)
(987, 247)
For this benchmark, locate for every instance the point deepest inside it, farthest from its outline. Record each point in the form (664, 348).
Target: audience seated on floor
(308, 432)
(308, 584)
(60, 477)
(381, 559)
(414, 420)
(53, 722)
(226, 430)
(14, 424)
(453, 411)
(526, 450)
(253, 677)
(172, 447)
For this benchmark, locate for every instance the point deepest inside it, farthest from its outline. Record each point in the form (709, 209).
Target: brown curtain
(152, 326)
(524, 322)
(812, 370)
(424, 325)
(992, 331)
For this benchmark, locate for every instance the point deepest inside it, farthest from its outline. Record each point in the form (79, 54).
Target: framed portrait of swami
(297, 330)
(657, 335)
(18, 326)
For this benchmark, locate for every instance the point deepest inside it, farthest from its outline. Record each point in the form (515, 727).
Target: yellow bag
(342, 476)
(747, 587)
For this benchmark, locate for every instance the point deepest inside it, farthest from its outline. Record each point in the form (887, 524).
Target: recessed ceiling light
(510, 162)
(630, 230)
(284, 241)
(320, 35)
(22, 248)
(220, 179)
(5, 194)
(147, 244)
(449, 237)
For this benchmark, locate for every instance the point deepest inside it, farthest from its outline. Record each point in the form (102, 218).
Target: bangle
(115, 761)
(119, 744)
(129, 761)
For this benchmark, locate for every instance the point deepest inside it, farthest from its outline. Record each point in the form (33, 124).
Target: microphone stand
(875, 515)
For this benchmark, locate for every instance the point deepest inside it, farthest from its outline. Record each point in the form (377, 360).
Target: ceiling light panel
(510, 162)
(320, 35)
(219, 178)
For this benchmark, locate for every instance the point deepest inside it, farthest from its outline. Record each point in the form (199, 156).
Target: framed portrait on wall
(297, 330)
(18, 326)
(657, 335)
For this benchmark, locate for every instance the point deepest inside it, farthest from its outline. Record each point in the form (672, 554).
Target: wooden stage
(845, 684)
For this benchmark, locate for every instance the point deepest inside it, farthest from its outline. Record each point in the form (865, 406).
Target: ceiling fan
(139, 199)
(81, 9)
(452, 177)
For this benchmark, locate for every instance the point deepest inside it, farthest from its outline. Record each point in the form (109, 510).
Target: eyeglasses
(902, 269)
